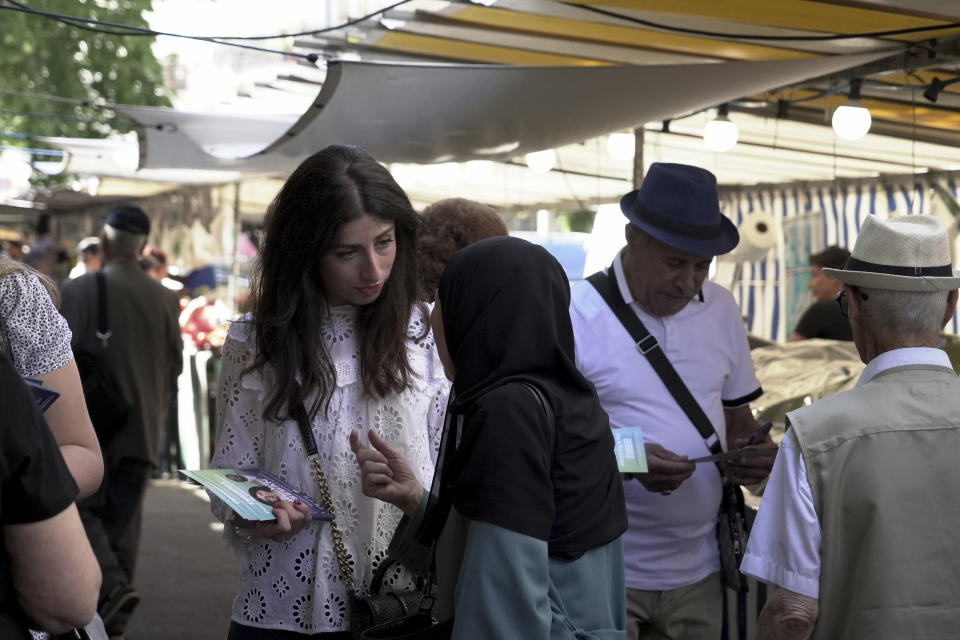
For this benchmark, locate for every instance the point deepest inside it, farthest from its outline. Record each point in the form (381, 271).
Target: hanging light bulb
(541, 161)
(621, 146)
(851, 121)
(720, 134)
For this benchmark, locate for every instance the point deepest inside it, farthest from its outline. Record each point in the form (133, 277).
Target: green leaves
(80, 64)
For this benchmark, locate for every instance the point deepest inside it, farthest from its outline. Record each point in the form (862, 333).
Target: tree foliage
(580, 220)
(57, 79)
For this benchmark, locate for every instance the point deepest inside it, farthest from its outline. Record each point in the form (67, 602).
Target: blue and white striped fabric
(761, 290)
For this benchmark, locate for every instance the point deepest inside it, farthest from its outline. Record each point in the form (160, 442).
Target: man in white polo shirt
(672, 561)
(859, 521)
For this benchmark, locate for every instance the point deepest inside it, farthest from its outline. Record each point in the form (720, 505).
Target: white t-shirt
(784, 545)
(671, 541)
(294, 585)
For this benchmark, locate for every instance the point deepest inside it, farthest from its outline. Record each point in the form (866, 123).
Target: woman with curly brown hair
(446, 227)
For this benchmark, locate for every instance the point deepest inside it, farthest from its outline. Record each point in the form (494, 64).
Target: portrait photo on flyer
(251, 493)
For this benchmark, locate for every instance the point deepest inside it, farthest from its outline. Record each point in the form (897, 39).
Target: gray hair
(905, 311)
(123, 243)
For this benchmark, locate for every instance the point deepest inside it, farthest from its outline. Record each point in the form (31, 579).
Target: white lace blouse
(294, 585)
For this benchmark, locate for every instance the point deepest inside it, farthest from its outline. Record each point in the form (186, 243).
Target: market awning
(432, 113)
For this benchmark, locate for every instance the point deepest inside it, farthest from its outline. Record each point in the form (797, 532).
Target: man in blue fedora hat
(674, 230)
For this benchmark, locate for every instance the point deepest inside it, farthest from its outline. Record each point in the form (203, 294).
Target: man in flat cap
(674, 230)
(142, 349)
(859, 519)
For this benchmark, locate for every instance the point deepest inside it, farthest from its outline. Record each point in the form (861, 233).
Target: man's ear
(634, 235)
(951, 307)
(853, 299)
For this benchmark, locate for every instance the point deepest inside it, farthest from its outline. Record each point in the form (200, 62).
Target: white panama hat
(909, 253)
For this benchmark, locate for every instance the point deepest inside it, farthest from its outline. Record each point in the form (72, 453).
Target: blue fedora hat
(679, 205)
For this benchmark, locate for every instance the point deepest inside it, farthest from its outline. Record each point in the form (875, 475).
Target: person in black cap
(674, 230)
(822, 319)
(143, 351)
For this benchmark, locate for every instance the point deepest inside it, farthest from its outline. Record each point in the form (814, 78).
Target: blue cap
(129, 218)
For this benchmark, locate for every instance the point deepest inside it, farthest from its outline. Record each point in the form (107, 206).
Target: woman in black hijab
(527, 493)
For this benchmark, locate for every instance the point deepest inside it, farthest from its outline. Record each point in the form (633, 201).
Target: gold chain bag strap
(343, 556)
(378, 615)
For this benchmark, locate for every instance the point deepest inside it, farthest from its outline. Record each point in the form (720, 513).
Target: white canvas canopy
(431, 113)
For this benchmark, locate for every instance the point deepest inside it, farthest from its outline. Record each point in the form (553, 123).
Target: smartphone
(759, 433)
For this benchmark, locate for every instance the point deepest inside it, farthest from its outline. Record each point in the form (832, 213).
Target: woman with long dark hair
(526, 508)
(336, 336)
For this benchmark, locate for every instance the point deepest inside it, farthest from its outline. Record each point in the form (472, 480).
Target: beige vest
(883, 461)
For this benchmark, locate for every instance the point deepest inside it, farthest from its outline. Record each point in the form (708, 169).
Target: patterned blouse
(31, 328)
(294, 585)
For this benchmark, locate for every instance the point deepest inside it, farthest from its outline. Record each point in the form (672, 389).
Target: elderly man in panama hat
(859, 520)
(674, 229)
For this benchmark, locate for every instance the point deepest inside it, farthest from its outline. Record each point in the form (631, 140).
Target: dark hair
(833, 257)
(446, 227)
(259, 487)
(329, 189)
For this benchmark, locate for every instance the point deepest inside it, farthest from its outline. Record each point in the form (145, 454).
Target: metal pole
(638, 157)
(232, 287)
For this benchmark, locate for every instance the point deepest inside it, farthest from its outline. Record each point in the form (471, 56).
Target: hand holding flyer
(251, 493)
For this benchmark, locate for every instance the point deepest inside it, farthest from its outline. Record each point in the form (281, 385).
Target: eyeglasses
(844, 305)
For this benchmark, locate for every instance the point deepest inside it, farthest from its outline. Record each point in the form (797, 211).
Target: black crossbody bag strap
(299, 413)
(649, 347)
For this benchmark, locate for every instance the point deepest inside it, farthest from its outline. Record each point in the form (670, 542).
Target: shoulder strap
(647, 345)
(306, 433)
(543, 402)
(103, 326)
(344, 560)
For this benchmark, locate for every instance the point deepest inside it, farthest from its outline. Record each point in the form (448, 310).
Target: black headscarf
(505, 305)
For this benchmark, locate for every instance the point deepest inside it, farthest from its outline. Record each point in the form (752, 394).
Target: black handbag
(732, 522)
(392, 613)
(380, 616)
(106, 405)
